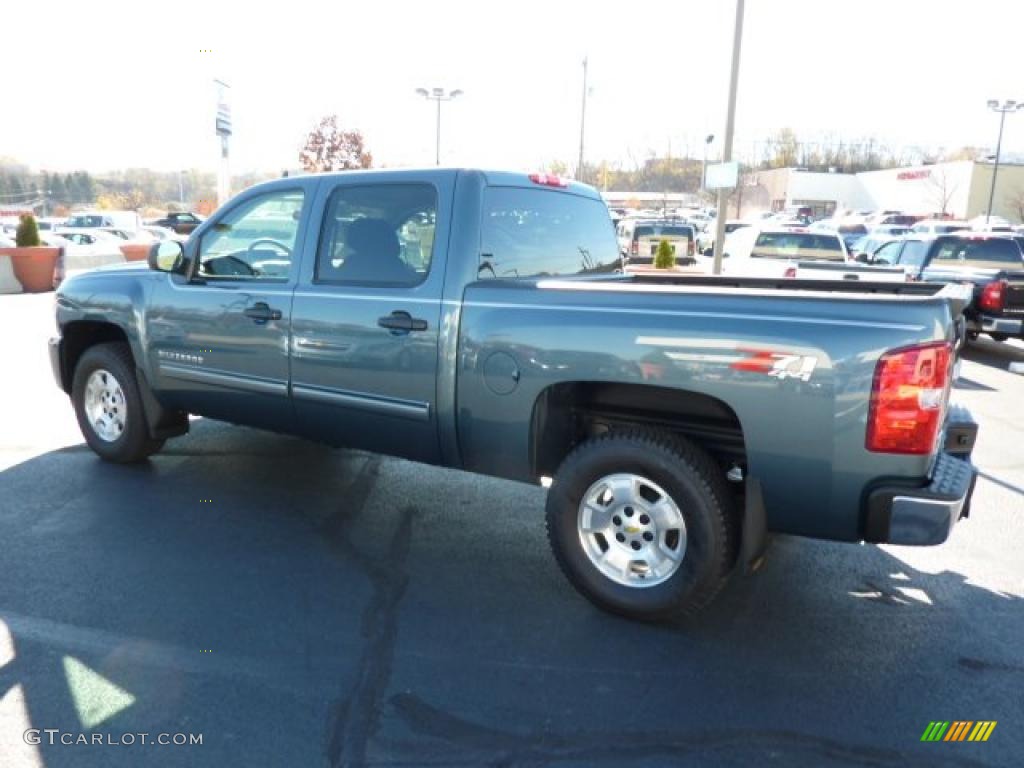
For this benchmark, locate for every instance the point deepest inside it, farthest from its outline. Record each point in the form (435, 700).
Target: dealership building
(958, 189)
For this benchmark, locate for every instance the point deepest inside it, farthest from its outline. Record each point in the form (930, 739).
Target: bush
(664, 258)
(27, 235)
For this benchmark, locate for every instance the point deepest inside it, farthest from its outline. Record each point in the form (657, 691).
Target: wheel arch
(567, 413)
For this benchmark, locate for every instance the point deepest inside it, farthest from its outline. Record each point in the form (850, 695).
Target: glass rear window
(797, 245)
(543, 233)
(664, 231)
(996, 252)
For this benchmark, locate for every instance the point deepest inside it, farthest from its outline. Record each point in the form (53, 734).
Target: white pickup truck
(797, 253)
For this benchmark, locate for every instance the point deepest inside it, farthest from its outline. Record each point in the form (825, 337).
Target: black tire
(694, 482)
(999, 336)
(134, 442)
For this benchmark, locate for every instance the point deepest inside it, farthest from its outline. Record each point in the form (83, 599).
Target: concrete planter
(33, 266)
(134, 252)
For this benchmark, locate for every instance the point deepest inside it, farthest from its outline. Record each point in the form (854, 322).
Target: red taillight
(993, 295)
(690, 248)
(790, 272)
(548, 180)
(634, 249)
(908, 397)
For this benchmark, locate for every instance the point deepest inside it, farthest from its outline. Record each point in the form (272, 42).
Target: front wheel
(108, 405)
(642, 524)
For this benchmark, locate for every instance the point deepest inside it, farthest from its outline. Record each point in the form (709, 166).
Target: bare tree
(1015, 199)
(943, 188)
(328, 148)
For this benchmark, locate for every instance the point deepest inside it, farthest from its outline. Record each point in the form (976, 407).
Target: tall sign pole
(730, 124)
(223, 125)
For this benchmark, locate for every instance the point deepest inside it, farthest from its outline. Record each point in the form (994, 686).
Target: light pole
(704, 165)
(181, 190)
(583, 122)
(730, 124)
(438, 95)
(1007, 106)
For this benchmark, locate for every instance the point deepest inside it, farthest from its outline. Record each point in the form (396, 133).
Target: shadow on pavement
(993, 353)
(332, 608)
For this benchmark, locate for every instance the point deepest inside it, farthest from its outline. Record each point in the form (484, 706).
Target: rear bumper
(1012, 326)
(926, 516)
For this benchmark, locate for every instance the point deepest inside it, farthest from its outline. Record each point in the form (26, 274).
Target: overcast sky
(104, 85)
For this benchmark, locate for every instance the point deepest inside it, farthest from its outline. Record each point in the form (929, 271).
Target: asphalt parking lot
(303, 606)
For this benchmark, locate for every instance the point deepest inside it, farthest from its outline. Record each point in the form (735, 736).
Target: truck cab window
(254, 241)
(378, 235)
(543, 233)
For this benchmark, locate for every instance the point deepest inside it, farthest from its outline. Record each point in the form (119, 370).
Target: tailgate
(648, 246)
(1014, 302)
(823, 270)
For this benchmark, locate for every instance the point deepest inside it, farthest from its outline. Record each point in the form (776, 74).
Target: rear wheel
(106, 398)
(642, 524)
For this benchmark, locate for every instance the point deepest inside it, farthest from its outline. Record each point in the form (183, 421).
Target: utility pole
(730, 125)
(583, 122)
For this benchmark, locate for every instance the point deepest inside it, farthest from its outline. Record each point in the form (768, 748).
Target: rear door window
(544, 233)
(380, 234)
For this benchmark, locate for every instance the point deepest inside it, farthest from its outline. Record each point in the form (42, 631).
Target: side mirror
(166, 256)
(863, 258)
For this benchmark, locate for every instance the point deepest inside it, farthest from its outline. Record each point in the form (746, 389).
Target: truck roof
(493, 178)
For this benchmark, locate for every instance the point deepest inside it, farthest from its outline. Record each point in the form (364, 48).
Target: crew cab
(993, 264)
(476, 320)
(797, 253)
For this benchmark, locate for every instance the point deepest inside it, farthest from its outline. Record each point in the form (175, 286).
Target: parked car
(848, 231)
(129, 221)
(993, 264)
(94, 236)
(471, 319)
(706, 238)
(161, 233)
(889, 230)
(183, 223)
(866, 249)
(639, 238)
(788, 253)
(938, 227)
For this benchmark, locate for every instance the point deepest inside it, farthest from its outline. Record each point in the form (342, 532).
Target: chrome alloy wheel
(105, 407)
(632, 530)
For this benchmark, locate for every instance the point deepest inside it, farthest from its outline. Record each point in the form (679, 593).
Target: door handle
(400, 321)
(261, 312)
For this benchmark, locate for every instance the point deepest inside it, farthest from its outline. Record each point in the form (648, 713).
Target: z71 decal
(780, 365)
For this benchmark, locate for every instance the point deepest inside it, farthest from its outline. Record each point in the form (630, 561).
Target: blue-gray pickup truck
(481, 320)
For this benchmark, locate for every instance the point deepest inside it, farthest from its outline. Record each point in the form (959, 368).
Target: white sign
(223, 109)
(722, 176)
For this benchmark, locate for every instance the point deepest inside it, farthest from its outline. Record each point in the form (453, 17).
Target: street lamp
(1007, 106)
(704, 165)
(438, 95)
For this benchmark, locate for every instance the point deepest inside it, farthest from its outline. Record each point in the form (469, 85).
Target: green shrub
(664, 258)
(27, 235)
